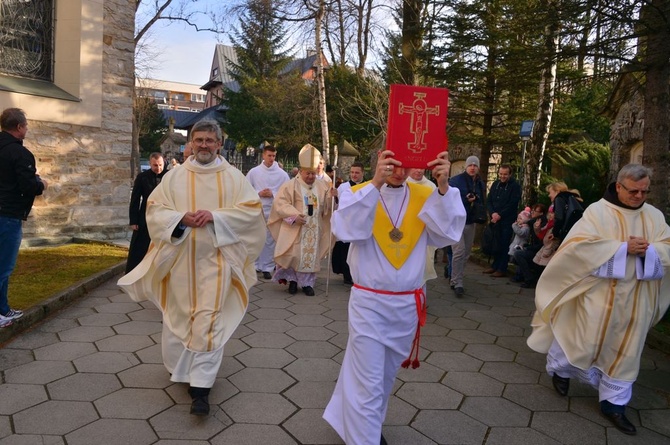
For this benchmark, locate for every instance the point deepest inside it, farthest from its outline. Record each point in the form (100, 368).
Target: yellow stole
(397, 252)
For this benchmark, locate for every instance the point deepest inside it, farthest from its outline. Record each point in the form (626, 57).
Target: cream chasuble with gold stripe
(602, 322)
(201, 280)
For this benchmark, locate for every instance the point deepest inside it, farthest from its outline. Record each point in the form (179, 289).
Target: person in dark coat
(341, 249)
(502, 204)
(145, 183)
(19, 184)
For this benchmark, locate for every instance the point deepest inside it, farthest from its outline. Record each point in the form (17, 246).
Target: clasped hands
(637, 245)
(197, 219)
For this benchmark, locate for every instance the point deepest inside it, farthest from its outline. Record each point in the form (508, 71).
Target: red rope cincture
(421, 310)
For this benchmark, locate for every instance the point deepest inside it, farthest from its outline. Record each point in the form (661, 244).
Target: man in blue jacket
(502, 204)
(471, 188)
(19, 184)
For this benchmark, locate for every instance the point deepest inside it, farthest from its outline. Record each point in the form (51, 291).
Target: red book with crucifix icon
(417, 124)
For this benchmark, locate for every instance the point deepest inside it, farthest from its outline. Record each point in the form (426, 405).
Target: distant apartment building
(172, 95)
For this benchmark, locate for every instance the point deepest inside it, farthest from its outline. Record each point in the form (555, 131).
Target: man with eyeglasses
(206, 223)
(602, 292)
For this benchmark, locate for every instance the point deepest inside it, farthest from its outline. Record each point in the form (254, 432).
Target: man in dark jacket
(19, 184)
(145, 183)
(502, 204)
(471, 187)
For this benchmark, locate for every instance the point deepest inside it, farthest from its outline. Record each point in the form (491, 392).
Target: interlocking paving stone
(647, 398)
(84, 387)
(452, 322)
(656, 419)
(10, 358)
(152, 354)
(518, 436)
(311, 333)
(64, 351)
(152, 314)
(145, 376)
(32, 439)
(430, 330)
(308, 426)
(312, 349)
(39, 372)
(536, 397)
(261, 380)
(57, 325)
(426, 372)
(307, 309)
(113, 432)
(268, 340)
(309, 320)
(472, 336)
(450, 427)
(268, 409)
(454, 361)
(91, 301)
(429, 396)
(103, 319)
(310, 394)
(240, 434)
(176, 423)
(234, 347)
(271, 314)
(441, 344)
(33, 339)
(491, 353)
(118, 308)
(109, 362)
(473, 384)
(487, 316)
(139, 328)
(399, 412)
(494, 411)
(229, 366)
(270, 325)
(133, 403)
(276, 303)
(510, 372)
(124, 343)
(313, 370)
(86, 333)
(16, 397)
(265, 358)
(405, 435)
(568, 428)
(54, 417)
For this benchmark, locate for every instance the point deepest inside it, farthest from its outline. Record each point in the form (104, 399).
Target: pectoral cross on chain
(419, 122)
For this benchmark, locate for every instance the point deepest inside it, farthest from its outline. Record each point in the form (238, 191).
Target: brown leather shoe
(489, 270)
(498, 274)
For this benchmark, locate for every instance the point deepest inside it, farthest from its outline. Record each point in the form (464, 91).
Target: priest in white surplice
(266, 179)
(601, 293)
(206, 225)
(389, 224)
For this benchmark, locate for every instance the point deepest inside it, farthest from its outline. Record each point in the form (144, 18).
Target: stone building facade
(80, 124)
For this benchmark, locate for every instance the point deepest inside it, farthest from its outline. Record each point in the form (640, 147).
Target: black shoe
(308, 291)
(292, 287)
(459, 291)
(561, 384)
(200, 403)
(267, 275)
(621, 422)
(382, 441)
(348, 281)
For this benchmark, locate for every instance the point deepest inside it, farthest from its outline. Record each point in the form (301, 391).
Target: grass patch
(44, 271)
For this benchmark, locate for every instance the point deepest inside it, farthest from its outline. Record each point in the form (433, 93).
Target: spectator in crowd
(207, 223)
(144, 184)
(524, 258)
(19, 185)
(601, 293)
(321, 171)
(472, 189)
(266, 179)
(502, 203)
(341, 249)
(521, 239)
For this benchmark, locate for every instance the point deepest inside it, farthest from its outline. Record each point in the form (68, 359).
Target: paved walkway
(92, 374)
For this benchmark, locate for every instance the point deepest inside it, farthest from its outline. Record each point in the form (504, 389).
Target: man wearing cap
(471, 188)
(300, 224)
(390, 224)
(266, 178)
(206, 223)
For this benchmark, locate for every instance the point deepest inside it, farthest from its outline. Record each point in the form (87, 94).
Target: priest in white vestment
(390, 224)
(266, 179)
(206, 225)
(601, 293)
(300, 224)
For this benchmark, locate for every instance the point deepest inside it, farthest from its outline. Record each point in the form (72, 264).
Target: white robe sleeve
(650, 267)
(355, 215)
(444, 217)
(615, 267)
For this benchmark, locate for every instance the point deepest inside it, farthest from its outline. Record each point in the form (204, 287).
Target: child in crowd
(521, 231)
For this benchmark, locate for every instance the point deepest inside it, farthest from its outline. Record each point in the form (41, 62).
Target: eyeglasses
(200, 141)
(634, 192)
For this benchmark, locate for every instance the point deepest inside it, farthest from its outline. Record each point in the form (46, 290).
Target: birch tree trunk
(547, 92)
(320, 83)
